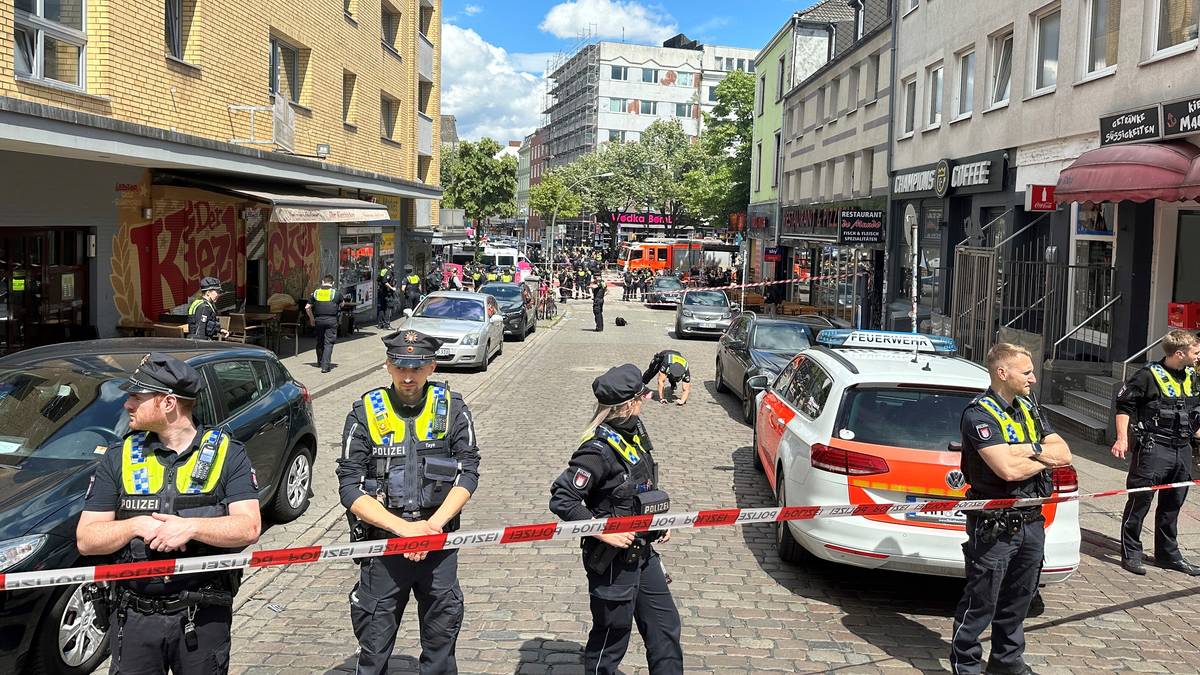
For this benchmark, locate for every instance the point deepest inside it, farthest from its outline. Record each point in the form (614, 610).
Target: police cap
(210, 284)
(160, 373)
(411, 349)
(619, 385)
(408, 268)
(675, 371)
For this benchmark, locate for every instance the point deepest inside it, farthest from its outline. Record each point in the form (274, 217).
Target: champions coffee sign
(860, 227)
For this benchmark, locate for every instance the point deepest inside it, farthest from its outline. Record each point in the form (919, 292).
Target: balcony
(424, 135)
(424, 57)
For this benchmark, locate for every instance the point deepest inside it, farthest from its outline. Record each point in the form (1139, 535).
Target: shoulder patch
(983, 431)
(581, 479)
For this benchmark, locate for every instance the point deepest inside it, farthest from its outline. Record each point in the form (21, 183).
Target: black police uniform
(628, 285)
(624, 584)
(1163, 421)
(383, 295)
(177, 622)
(598, 293)
(203, 323)
(663, 362)
(1004, 548)
(326, 303)
(410, 287)
(379, 598)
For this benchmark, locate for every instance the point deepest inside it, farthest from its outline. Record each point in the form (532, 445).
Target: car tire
(47, 657)
(720, 383)
(747, 405)
(533, 326)
(295, 486)
(679, 334)
(500, 349)
(758, 465)
(483, 364)
(786, 546)
(524, 330)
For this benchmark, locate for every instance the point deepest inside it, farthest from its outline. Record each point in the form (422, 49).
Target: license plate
(707, 324)
(444, 351)
(941, 517)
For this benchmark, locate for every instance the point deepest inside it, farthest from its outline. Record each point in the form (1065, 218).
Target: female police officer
(613, 474)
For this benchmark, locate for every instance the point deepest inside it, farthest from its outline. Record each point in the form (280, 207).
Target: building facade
(833, 182)
(144, 146)
(1089, 96)
(523, 169)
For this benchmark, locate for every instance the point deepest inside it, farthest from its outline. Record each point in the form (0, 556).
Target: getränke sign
(980, 173)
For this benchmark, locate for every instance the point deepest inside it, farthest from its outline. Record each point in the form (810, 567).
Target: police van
(873, 417)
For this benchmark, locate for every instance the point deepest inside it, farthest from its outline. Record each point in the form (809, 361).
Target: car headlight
(470, 340)
(13, 551)
(688, 314)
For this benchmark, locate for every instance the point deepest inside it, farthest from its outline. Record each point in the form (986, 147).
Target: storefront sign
(639, 218)
(981, 173)
(1131, 126)
(819, 222)
(1040, 198)
(1181, 118)
(861, 227)
(773, 254)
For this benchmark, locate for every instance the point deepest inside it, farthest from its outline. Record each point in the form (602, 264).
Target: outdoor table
(270, 323)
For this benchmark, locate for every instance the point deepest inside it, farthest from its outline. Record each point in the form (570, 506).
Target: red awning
(1190, 188)
(1135, 172)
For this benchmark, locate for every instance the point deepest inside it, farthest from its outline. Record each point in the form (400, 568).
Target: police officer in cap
(386, 288)
(412, 428)
(599, 289)
(168, 490)
(1007, 452)
(613, 473)
(410, 287)
(203, 323)
(322, 309)
(671, 369)
(1161, 401)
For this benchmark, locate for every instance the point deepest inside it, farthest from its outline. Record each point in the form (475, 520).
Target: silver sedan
(469, 325)
(703, 313)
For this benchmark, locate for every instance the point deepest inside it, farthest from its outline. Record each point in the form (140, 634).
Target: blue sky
(494, 52)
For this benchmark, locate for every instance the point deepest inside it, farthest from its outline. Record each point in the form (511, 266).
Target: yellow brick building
(133, 134)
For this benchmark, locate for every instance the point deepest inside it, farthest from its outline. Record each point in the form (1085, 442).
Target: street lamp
(554, 215)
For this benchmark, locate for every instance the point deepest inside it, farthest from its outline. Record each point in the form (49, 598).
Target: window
(866, 171)
(712, 94)
(348, 82)
(934, 82)
(750, 66)
(729, 63)
(685, 109)
(1176, 22)
(390, 27)
(758, 166)
(1045, 62)
(50, 40)
(616, 105)
(1001, 81)
(686, 79)
(617, 135)
(930, 417)
(852, 86)
(741, 64)
(835, 95)
(816, 186)
(387, 117)
(829, 166)
(780, 77)
(240, 383)
(174, 28)
(761, 94)
(1103, 31)
(286, 59)
(777, 160)
(966, 84)
(619, 73)
(788, 115)
(847, 176)
(808, 389)
(650, 75)
(820, 111)
(912, 4)
(910, 106)
(649, 107)
(873, 78)
(348, 7)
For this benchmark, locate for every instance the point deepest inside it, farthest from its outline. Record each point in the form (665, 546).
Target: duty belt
(171, 604)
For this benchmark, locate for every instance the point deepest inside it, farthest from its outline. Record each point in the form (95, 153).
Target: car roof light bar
(891, 340)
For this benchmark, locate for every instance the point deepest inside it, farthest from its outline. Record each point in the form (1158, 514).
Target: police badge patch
(983, 431)
(582, 478)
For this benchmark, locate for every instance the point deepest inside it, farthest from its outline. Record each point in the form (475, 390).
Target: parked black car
(664, 291)
(516, 303)
(60, 407)
(760, 345)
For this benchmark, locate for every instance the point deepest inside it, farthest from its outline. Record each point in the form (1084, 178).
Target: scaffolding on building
(571, 103)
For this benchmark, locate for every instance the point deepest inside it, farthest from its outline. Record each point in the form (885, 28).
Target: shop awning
(1135, 172)
(290, 203)
(1190, 188)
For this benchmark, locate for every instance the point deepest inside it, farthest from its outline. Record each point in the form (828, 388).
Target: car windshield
(781, 337)
(920, 418)
(706, 299)
(503, 293)
(54, 413)
(461, 309)
(668, 283)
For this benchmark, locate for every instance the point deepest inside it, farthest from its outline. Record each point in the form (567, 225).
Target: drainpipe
(887, 271)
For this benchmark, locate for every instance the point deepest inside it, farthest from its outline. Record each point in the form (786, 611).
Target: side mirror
(758, 382)
(408, 312)
(735, 308)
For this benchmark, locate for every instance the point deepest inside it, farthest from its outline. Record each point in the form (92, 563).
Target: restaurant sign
(860, 227)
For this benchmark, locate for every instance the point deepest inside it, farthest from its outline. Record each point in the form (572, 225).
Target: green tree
(718, 182)
(483, 185)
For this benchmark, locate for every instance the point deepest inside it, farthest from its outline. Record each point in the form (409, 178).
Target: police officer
(1007, 451)
(613, 473)
(598, 291)
(386, 288)
(1161, 401)
(322, 309)
(671, 369)
(492, 274)
(433, 280)
(506, 275)
(476, 278)
(412, 428)
(627, 280)
(410, 287)
(168, 490)
(202, 313)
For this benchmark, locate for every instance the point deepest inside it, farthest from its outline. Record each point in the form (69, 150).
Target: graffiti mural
(293, 258)
(157, 265)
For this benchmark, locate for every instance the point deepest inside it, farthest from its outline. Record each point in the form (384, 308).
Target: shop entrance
(44, 281)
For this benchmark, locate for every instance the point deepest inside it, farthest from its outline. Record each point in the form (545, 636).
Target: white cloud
(472, 10)
(485, 90)
(621, 19)
(531, 62)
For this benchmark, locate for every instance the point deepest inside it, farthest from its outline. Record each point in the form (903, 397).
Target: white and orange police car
(872, 417)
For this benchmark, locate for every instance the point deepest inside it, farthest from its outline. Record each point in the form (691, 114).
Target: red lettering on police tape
(285, 556)
(428, 542)
(716, 517)
(628, 524)
(798, 512)
(137, 570)
(540, 532)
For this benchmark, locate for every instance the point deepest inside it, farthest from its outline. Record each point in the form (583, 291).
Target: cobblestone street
(743, 609)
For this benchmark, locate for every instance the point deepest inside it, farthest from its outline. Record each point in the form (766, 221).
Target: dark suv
(60, 407)
(516, 303)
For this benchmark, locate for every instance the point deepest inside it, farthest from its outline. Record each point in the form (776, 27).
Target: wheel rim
(780, 524)
(78, 637)
(299, 477)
